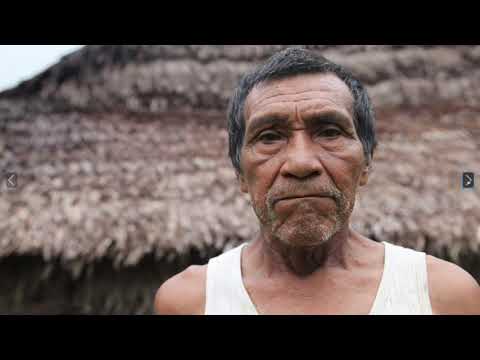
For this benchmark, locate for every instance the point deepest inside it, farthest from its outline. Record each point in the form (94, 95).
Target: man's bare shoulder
(183, 294)
(452, 289)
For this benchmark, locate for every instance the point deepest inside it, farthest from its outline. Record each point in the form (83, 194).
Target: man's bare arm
(452, 290)
(182, 294)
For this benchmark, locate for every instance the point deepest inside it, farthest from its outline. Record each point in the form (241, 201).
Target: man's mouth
(298, 197)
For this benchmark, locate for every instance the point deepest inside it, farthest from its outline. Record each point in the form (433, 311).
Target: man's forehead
(309, 89)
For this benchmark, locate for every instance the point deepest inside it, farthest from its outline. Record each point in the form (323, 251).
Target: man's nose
(301, 158)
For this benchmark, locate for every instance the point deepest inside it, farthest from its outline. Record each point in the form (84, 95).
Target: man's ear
(364, 176)
(243, 183)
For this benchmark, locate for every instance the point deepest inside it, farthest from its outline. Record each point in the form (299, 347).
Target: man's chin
(304, 237)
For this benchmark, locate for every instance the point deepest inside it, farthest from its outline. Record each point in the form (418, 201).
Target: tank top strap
(404, 285)
(225, 291)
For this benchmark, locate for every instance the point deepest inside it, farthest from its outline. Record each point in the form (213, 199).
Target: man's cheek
(258, 199)
(346, 177)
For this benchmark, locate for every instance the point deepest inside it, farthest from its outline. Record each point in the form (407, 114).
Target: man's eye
(330, 133)
(269, 137)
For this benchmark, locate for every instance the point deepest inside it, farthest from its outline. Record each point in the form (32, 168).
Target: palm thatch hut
(124, 180)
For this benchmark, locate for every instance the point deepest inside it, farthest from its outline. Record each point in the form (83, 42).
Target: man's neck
(276, 257)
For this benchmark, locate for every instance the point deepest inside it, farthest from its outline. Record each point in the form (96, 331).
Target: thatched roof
(414, 196)
(155, 78)
(106, 185)
(121, 152)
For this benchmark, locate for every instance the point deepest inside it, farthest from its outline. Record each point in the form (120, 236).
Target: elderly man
(302, 138)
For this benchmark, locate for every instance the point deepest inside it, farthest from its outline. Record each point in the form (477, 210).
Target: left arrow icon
(11, 180)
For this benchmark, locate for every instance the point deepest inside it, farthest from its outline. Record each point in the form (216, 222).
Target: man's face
(301, 158)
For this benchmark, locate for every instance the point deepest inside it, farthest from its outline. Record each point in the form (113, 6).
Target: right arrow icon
(468, 180)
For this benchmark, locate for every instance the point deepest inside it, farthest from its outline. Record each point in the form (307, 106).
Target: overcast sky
(21, 62)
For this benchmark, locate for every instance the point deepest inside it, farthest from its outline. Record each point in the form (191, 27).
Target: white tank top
(403, 288)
